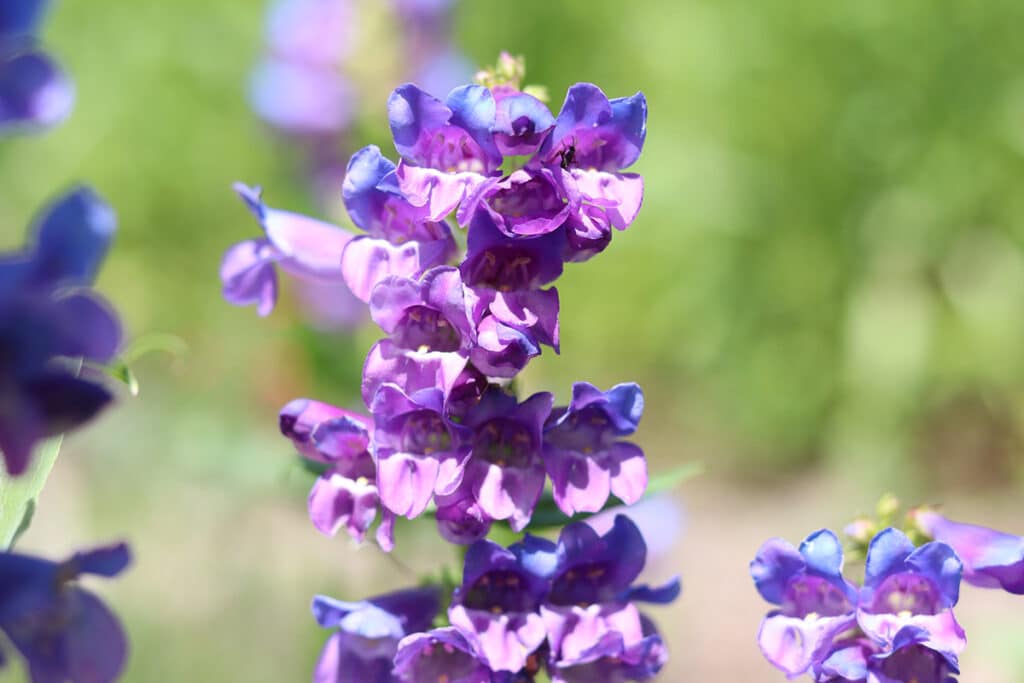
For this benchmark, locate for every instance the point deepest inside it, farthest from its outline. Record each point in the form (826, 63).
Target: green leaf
(18, 495)
(120, 371)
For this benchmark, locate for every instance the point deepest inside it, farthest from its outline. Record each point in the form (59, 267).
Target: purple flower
(376, 204)
(63, 631)
(583, 453)
(302, 246)
(427, 315)
(592, 568)
(368, 633)
(527, 203)
(521, 123)
(497, 604)
(602, 643)
(34, 92)
(992, 559)
(346, 494)
(815, 602)
(505, 469)
(496, 261)
(444, 654)
(413, 371)
(418, 451)
(460, 519)
(43, 319)
(858, 661)
(448, 147)
(907, 587)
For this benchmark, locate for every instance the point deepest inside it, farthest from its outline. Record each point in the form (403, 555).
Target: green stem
(18, 495)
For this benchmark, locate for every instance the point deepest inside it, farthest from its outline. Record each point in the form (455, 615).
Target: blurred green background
(823, 298)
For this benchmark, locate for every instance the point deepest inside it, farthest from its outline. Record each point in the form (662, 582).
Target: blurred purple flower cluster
(568, 608)
(899, 625)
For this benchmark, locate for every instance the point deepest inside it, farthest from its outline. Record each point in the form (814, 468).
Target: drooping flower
(443, 654)
(496, 261)
(63, 632)
(346, 494)
(815, 603)
(50, 322)
(430, 314)
(34, 91)
(304, 247)
(992, 559)
(367, 633)
(582, 451)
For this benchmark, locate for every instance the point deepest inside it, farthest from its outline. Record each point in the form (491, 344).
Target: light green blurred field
(823, 298)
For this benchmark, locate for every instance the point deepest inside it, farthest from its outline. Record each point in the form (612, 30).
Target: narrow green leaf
(18, 495)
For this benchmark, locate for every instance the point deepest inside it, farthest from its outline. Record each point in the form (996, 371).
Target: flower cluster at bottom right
(898, 625)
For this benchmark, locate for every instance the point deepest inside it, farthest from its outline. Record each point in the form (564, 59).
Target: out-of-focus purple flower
(346, 494)
(526, 203)
(497, 605)
(911, 588)
(992, 559)
(45, 315)
(367, 633)
(582, 451)
(447, 147)
(61, 630)
(302, 246)
(505, 470)
(427, 315)
(443, 654)
(418, 451)
(496, 261)
(312, 32)
(815, 602)
(34, 92)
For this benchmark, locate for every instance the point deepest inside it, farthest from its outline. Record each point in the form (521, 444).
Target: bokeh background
(823, 298)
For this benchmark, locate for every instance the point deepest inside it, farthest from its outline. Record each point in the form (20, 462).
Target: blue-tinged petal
(795, 645)
(107, 561)
(537, 555)
(21, 17)
(886, 554)
(416, 607)
(521, 122)
(329, 612)
(95, 643)
(626, 407)
(659, 595)
(474, 110)
(629, 116)
(72, 237)
(823, 553)
(940, 563)
(992, 559)
(360, 190)
(59, 402)
(775, 564)
(91, 327)
(411, 111)
(848, 663)
(34, 93)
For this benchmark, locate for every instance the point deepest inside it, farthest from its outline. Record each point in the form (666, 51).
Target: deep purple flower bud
(460, 519)
(992, 559)
(582, 451)
(497, 604)
(443, 654)
(428, 315)
(34, 92)
(495, 261)
(505, 469)
(368, 633)
(527, 203)
(815, 602)
(593, 132)
(520, 124)
(601, 644)
(911, 587)
(63, 631)
(376, 204)
(418, 451)
(302, 246)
